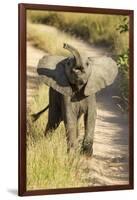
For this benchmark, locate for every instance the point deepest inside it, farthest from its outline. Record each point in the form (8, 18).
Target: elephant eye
(68, 62)
(87, 63)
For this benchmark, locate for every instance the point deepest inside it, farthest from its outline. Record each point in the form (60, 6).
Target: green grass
(48, 163)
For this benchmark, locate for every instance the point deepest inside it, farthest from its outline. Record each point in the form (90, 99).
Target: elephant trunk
(75, 54)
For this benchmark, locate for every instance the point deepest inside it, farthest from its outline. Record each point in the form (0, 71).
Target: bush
(123, 63)
(123, 81)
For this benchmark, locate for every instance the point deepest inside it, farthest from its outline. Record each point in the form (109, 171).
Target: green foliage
(123, 60)
(123, 63)
(124, 26)
(123, 81)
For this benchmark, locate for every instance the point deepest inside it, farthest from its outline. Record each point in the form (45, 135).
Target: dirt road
(109, 165)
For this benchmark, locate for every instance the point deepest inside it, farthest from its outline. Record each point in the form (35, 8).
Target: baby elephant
(73, 82)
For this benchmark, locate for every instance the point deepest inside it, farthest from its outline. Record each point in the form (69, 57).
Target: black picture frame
(22, 99)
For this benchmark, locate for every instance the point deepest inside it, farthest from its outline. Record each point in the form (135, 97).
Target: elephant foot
(87, 148)
(72, 148)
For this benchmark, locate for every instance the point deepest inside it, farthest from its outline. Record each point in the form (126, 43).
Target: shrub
(123, 63)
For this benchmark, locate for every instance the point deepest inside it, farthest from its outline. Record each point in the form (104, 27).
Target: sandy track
(109, 165)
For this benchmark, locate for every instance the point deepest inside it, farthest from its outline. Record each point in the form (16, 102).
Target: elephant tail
(35, 116)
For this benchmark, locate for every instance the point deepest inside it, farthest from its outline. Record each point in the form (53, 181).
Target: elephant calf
(73, 82)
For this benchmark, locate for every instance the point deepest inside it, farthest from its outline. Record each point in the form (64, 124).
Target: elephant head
(76, 72)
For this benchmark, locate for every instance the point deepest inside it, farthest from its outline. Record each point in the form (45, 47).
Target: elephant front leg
(71, 125)
(71, 134)
(89, 121)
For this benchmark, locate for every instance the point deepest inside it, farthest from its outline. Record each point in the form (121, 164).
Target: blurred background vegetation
(48, 163)
(110, 31)
(97, 29)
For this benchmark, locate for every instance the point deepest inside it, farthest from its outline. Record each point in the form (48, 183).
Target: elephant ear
(52, 72)
(103, 72)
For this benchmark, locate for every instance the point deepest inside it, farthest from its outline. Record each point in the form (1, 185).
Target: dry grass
(94, 28)
(50, 166)
(48, 39)
(48, 163)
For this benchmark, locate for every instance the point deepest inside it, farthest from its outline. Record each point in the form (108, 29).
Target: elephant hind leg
(51, 126)
(54, 119)
(54, 112)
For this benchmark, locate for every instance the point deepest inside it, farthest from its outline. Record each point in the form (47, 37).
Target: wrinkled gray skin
(63, 108)
(73, 83)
